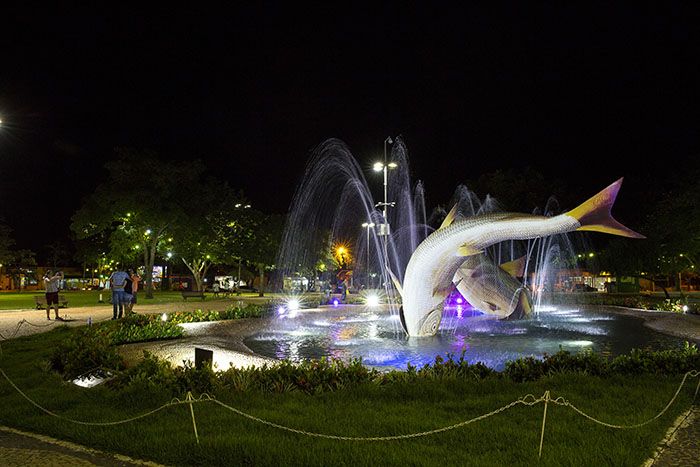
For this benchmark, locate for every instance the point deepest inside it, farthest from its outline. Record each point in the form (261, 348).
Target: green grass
(81, 298)
(510, 438)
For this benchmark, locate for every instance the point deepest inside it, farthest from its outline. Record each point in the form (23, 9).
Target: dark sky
(585, 96)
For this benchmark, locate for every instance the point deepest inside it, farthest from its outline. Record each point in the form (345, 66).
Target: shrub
(84, 352)
(664, 362)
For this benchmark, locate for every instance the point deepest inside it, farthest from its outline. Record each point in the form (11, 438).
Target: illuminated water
(349, 331)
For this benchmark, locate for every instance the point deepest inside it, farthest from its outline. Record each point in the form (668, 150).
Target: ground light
(372, 300)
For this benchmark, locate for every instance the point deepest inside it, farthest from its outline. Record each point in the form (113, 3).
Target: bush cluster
(640, 302)
(317, 376)
(84, 352)
(250, 310)
(663, 362)
(93, 347)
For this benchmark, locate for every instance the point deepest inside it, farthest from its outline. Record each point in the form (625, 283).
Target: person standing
(135, 280)
(51, 283)
(216, 289)
(117, 281)
(344, 289)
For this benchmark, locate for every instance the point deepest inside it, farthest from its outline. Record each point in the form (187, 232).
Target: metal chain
(522, 401)
(528, 400)
(80, 422)
(563, 402)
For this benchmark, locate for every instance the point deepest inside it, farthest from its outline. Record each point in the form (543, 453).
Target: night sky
(583, 96)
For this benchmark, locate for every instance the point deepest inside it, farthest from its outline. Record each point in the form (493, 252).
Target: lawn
(81, 298)
(508, 438)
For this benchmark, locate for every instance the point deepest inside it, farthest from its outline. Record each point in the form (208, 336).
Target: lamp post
(368, 225)
(384, 227)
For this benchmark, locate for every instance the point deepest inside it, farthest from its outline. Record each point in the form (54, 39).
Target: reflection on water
(347, 332)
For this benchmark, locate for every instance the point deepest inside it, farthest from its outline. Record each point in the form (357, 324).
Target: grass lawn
(81, 298)
(509, 438)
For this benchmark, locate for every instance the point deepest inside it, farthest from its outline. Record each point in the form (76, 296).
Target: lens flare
(372, 300)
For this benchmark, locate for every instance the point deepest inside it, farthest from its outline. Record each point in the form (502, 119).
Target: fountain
(436, 274)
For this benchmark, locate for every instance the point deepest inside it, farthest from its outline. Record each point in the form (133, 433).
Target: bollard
(100, 300)
(202, 356)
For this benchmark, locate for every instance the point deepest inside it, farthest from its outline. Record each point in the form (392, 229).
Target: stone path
(683, 447)
(20, 448)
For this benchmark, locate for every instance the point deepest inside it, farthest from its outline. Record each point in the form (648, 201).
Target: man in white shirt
(51, 284)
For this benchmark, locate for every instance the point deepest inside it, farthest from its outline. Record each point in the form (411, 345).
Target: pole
(386, 220)
(367, 266)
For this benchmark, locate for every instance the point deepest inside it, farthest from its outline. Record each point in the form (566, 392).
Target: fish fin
(523, 308)
(446, 290)
(450, 217)
(396, 282)
(594, 214)
(402, 319)
(515, 268)
(467, 250)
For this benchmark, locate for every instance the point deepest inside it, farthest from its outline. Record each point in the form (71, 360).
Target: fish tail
(594, 214)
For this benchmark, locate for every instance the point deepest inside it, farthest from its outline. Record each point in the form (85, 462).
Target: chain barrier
(527, 400)
(565, 403)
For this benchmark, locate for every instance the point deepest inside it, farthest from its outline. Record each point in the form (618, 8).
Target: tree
(57, 253)
(137, 206)
(16, 262)
(6, 244)
(208, 234)
(263, 244)
(20, 264)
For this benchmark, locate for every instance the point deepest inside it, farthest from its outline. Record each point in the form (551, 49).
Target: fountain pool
(353, 331)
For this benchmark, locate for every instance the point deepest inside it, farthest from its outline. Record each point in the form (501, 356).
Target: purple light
(335, 302)
(280, 310)
(460, 300)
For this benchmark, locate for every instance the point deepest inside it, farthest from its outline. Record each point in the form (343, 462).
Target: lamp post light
(384, 227)
(368, 225)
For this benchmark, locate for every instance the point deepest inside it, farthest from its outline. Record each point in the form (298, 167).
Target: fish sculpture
(430, 272)
(494, 289)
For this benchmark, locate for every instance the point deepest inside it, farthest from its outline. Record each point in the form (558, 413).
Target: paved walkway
(681, 448)
(20, 448)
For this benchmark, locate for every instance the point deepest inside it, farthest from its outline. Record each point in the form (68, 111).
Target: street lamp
(368, 225)
(384, 227)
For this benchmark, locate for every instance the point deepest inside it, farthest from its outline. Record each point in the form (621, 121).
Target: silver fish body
(490, 289)
(432, 267)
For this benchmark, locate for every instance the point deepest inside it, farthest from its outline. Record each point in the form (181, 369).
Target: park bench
(192, 293)
(40, 301)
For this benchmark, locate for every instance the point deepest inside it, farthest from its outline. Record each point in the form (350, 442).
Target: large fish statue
(494, 289)
(429, 275)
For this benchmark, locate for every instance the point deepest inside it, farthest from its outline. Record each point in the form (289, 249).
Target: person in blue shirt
(117, 281)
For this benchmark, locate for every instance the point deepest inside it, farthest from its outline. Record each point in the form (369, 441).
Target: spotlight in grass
(164, 317)
(372, 300)
(335, 302)
(685, 308)
(293, 304)
(280, 310)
